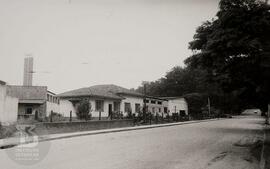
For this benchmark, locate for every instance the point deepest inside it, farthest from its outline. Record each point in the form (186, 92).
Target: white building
(176, 105)
(104, 99)
(8, 106)
(156, 105)
(35, 102)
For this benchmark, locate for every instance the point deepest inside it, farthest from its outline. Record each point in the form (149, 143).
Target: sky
(80, 43)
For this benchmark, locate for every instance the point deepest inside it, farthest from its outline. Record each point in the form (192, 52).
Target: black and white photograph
(134, 84)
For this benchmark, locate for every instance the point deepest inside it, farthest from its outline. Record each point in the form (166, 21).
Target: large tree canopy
(234, 49)
(177, 82)
(195, 86)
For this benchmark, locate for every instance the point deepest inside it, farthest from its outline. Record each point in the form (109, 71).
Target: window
(159, 102)
(153, 102)
(182, 112)
(116, 106)
(128, 107)
(48, 97)
(159, 109)
(165, 110)
(153, 110)
(99, 105)
(137, 107)
(146, 101)
(29, 110)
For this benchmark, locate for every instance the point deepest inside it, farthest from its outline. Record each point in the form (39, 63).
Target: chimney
(28, 71)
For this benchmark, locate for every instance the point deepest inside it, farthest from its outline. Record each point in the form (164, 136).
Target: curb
(96, 132)
(116, 130)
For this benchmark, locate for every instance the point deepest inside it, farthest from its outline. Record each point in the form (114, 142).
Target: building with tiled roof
(109, 98)
(109, 91)
(104, 99)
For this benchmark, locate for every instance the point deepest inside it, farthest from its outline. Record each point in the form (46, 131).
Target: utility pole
(70, 116)
(209, 107)
(144, 83)
(144, 101)
(267, 115)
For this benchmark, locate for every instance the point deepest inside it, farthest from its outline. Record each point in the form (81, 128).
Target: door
(165, 110)
(110, 110)
(36, 115)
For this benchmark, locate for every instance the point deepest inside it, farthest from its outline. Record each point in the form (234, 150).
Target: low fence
(149, 118)
(57, 124)
(66, 127)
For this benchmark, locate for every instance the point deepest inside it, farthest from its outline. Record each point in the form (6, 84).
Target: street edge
(106, 131)
(116, 130)
(262, 159)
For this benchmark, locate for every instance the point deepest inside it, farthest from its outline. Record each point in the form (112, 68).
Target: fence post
(134, 119)
(267, 115)
(51, 118)
(70, 116)
(156, 118)
(162, 117)
(99, 115)
(150, 118)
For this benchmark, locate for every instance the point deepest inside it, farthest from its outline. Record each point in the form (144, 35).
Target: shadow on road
(237, 131)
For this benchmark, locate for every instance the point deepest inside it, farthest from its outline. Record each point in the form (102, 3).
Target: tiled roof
(173, 97)
(2, 82)
(106, 91)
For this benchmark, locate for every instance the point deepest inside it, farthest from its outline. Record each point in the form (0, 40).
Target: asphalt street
(216, 144)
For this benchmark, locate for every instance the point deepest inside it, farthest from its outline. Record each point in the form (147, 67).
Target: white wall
(105, 113)
(52, 107)
(10, 113)
(154, 108)
(65, 107)
(175, 105)
(132, 100)
(8, 107)
(2, 99)
(93, 109)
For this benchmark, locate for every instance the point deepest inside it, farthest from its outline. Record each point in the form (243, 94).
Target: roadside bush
(55, 117)
(117, 115)
(83, 109)
(7, 131)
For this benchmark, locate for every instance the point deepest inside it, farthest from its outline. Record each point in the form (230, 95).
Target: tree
(83, 109)
(234, 48)
(184, 81)
(179, 81)
(195, 103)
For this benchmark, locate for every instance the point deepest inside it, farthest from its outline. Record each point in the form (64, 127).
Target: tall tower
(28, 71)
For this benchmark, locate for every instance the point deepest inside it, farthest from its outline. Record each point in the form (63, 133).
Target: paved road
(216, 144)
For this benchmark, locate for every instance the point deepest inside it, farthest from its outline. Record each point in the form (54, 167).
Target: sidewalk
(14, 141)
